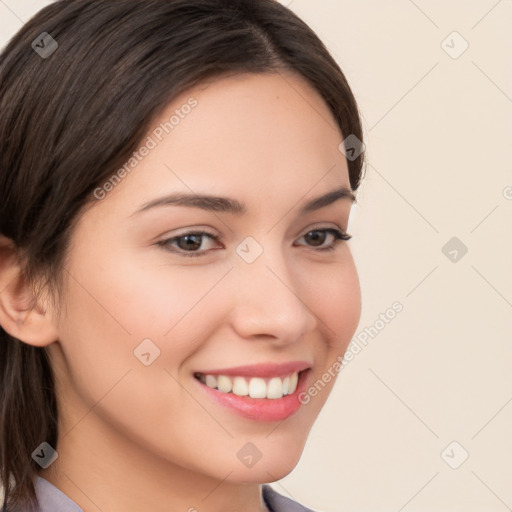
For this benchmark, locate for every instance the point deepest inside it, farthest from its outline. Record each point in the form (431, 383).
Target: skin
(135, 437)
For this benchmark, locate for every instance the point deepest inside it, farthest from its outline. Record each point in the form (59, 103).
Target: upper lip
(261, 370)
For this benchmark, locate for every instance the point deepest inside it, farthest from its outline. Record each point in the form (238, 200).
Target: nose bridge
(267, 300)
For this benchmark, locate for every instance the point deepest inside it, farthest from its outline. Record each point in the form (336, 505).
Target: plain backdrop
(420, 418)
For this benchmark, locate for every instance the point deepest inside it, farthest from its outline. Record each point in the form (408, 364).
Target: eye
(188, 244)
(318, 240)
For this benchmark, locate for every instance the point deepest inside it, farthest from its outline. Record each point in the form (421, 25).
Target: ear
(20, 315)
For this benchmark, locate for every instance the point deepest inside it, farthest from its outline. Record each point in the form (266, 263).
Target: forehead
(279, 108)
(253, 133)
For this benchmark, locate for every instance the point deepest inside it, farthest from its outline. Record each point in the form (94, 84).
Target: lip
(259, 409)
(266, 370)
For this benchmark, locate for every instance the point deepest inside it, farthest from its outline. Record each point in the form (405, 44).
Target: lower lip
(260, 409)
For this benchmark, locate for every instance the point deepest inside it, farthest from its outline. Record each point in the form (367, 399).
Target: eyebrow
(235, 207)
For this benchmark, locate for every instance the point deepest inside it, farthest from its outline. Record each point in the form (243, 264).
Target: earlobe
(19, 317)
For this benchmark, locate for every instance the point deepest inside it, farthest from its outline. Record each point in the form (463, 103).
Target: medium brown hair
(69, 120)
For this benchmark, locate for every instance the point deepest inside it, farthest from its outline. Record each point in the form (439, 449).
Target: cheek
(109, 312)
(337, 304)
(111, 308)
(146, 299)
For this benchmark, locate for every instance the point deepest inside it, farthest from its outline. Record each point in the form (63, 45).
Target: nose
(271, 300)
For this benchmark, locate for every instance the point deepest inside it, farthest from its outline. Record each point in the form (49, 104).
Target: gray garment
(53, 499)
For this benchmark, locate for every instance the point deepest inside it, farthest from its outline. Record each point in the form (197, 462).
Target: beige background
(438, 133)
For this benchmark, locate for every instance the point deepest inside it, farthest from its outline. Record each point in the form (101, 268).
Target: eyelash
(339, 236)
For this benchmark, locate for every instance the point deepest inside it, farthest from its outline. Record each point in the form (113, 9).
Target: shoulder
(52, 499)
(279, 503)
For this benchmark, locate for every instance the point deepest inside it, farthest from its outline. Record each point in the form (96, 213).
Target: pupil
(317, 237)
(193, 244)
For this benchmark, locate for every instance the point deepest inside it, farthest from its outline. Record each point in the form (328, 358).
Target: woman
(176, 180)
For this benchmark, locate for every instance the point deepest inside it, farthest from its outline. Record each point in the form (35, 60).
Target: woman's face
(148, 315)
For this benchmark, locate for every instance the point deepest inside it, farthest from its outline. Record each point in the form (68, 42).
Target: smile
(255, 387)
(262, 392)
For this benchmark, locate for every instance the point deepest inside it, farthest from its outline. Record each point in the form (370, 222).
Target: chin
(262, 475)
(274, 461)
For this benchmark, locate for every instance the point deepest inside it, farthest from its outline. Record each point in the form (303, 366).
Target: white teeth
(275, 388)
(286, 385)
(211, 381)
(224, 384)
(293, 383)
(240, 386)
(255, 387)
